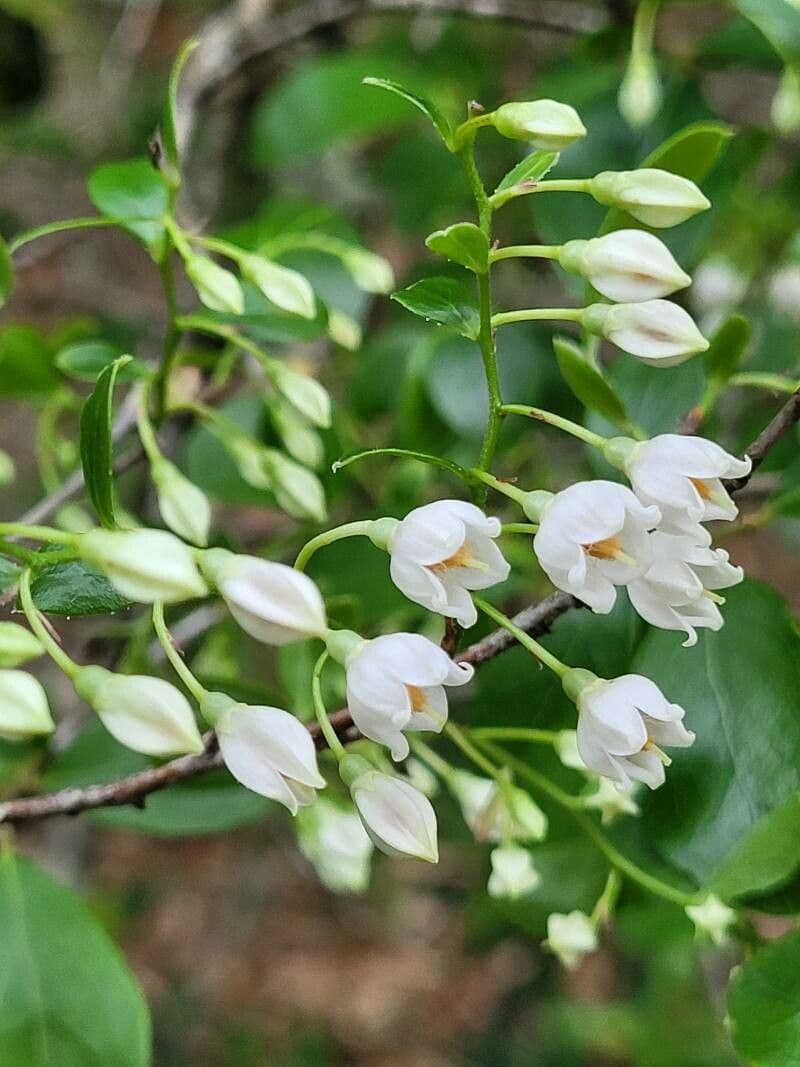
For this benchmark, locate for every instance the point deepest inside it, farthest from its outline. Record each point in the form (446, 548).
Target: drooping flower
(184, 507)
(396, 683)
(497, 813)
(513, 873)
(398, 818)
(570, 937)
(655, 197)
(24, 710)
(144, 565)
(683, 475)
(592, 537)
(657, 332)
(712, 918)
(626, 265)
(441, 551)
(334, 841)
(611, 799)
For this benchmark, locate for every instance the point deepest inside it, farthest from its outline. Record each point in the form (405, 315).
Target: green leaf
(464, 243)
(67, 999)
(530, 169)
(75, 588)
(26, 363)
(87, 359)
(767, 859)
(780, 24)
(96, 446)
(724, 354)
(764, 1005)
(588, 384)
(442, 300)
(6, 272)
(425, 106)
(745, 762)
(136, 196)
(169, 120)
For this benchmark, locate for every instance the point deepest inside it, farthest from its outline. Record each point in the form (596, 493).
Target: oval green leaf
(96, 445)
(87, 359)
(442, 300)
(463, 243)
(764, 1005)
(588, 384)
(425, 106)
(530, 169)
(134, 195)
(75, 588)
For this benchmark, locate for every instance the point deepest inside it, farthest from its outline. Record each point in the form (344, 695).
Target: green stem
(560, 185)
(338, 533)
(595, 439)
(172, 654)
(520, 528)
(459, 738)
(225, 248)
(172, 338)
(503, 318)
(644, 22)
(513, 492)
(92, 222)
(606, 902)
(514, 733)
(533, 646)
(328, 732)
(433, 759)
(465, 133)
(525, 252)
(144, 425)
(38, 533)
(51, 646)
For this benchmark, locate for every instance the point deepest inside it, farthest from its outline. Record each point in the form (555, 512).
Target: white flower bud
(370, 272)
(712, 918)
(217, 288)
(785, 109)
(184, 508)
(657, 331)
(145, 714)
(657, 198)
(308, 396)
(334, 841)
(399, 819)
(144, 565)
(287, 289)
(546, 124)
(274, 603)
(611, 800)
(495, 813)
(640, 93)
(626, 265)
(297, 435)
(297, 490)
(513, 873)
(570, 937)
(17, 645)
(24, 711)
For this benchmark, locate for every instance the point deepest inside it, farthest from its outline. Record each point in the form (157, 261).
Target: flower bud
(657, 331)
(297, 490)
(398, 818)
(298, 437)
(570, 937)
(287, 289)
(274, 603)
(657, 198)
(145, 714)
(626, 265)
(546, 124)
(513, 873)
(494, 813)
(308, 396)
(712, 918)
(640, 93)
(184, 508)
(334, 841)
(144, 565)
(217, 288)
(8, 470)
(785, 110)
(17, 645)
(24, 711)
(370, 272)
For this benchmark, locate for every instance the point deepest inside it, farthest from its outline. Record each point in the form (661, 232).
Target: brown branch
(786, 418)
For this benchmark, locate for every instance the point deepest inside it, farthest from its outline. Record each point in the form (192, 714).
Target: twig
(786, 418)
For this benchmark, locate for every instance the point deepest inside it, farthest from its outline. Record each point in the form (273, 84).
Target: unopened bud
(546, 124)
(640, 93)
(217, 288)
(184, 508)
(656, 331)
(17, 645)
(655, 197)
(308, 396)
(335, 842)
(285, 288)
(785, 110)
(712, 919)
(24, 711)
(398, 818)
(144, 565)
(297, 490)
(513, 873)
(570, 937)
(626, 265)
(8, 470)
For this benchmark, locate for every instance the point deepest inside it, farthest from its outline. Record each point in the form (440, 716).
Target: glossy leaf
(67, 997)
(6, 272)
(767, 858)
(587, 383)
(96, 445)
(75, 588)
(724, 354)
(136, 196)
(425, 106)
(442, 300)
(463, 243)
(764, 1005)
(530, 169)
(780, 24)
(87, 359)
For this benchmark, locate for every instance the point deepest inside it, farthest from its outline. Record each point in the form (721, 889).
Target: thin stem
(532, 645)
(433, 759)
(459, 738)
(92, 222)
(514, 733)
(506, 488)
(525, 252)
(172, 654)
(25, 555)
(145, 427)
(465, 133)
(51, 646)
(520, 528)
(595, 439)
(560, 185)
(606, 902)
(338, 533)
(172, 338)
(503, 318)
(38, 533)
(215, 244)
(328, 732)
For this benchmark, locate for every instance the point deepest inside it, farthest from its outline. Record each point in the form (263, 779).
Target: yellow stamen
(651, 746)
(610, 548)
(703, 488)
(419, 702)
(460, 558)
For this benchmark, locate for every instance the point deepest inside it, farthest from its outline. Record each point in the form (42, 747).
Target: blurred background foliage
(243, 957)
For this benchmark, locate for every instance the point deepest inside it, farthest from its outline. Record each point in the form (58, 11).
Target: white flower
(24, 711)
(396, 683)
(657, 332)
(673, 592)
(17, 645)
(334, 841)
(612, 800)
(657, 198)
(784, 290)
(718, 284)
(626, 265)
(592, 537)
(513, 873)
(570, 937)
(144, 565)
(270, 752)
(398, 818)
(621, 725)
(274, 603)
(547, 124)
(495, 813)
(712, 918)
(441, 551)
(682, 476)
(145, 714)
(184, 508)
(566, 746)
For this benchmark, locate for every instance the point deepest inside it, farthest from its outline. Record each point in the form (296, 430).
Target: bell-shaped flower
(497, 813)
(270, 752)
(24, 711)
(441, 551)
(145, 714)
(658, 332)
(546, 124)
(398, 818)
(396, 683)
(675, 593)
(623, 723)
(335, 842)
(712, 918)
(17, 645)
(655, 197)
(144, 565)
(592, 537)
(683, 475)
(184, 507)
(570, 937)
(513, 873)
(274, 603)
(612, 800)
(626, 265)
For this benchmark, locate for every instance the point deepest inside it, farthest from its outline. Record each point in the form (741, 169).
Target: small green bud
(640, 93)
(17, 645)
(24, 711)
(305, 393)
(184, 508)
(217, 288)
(7, 469)
(212, 705)
(381, 532)
(619, 450)
(785, 110)
(298, 491)
(534, 503)
(576, 680)
(351, 767)
(342, 645)
(287, 289)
